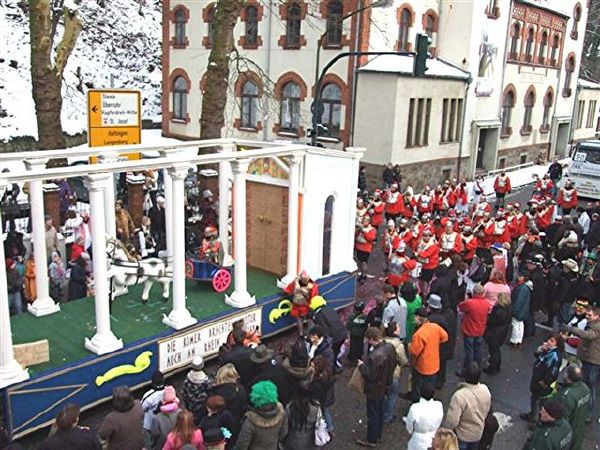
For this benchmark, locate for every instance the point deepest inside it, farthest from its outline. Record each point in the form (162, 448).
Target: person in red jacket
(390, 239)
(405, 234)
(376, 209)
(450, 241)
(545, 186)
(501, 188)
(428, 254)
(438, 199)
(302, 290)
(567, 198)
(410, 203)
(462, 197)
(469, 242)
(394, 204)
(400, 267)
(364, 246)
(475, 315)
(425, 201)
(449, 201)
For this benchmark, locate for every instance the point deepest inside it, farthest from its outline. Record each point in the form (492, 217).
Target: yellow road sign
(114, 118)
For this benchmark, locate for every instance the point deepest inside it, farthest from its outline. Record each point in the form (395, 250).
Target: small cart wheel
(189, 269)
(221, 280)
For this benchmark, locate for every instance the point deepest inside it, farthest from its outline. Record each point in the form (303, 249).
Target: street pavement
(510, 388)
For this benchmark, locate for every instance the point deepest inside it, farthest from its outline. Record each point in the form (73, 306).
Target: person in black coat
(268, 368)
(239, 356)
(78, 279)
(328, 319)
(569, 282)
(442, 283)
(321, 345)
(68, 435)
(445, 318)
(496, 332)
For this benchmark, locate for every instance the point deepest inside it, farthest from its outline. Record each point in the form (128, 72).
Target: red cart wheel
(189, 269)
(221, 280)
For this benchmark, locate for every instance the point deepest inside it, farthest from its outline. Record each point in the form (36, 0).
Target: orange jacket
(425, 348)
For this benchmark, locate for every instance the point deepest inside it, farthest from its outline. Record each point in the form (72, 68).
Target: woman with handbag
(322, 384)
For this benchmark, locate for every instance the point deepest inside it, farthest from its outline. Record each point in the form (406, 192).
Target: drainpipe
(268, 66)
(572, 125)
(355, 70)
(462, 128)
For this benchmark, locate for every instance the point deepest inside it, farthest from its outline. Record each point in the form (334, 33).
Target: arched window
(429, 25)
(251, 25)
(249, 105)
(211, 24)
(327, 229)
(543, 47)
(529, 103)
(508, 103)
(529, 45)
(293, 25)
(180, 21)
(332, 108)
(514, 41)
(548, 102)
(290, 107)
(569, 69)
(554, 52)
(576, 19)
(334, 23)
(404, 30)
(180, 90)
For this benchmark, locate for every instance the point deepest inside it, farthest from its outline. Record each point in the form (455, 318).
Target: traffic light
(421, 55)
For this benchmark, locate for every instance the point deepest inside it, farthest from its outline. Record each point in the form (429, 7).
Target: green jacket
(411, 312)
(555, 435)
(576, 397)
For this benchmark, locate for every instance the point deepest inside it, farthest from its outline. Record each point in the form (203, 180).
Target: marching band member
(400, 267)
(501, 188)
(462, 197)
(545, 185)
(450, 242)
(410, 202)
(361, 211)
(449, 198)
(428, 254)
(425, 201)
(405, 234)
(567, 198)
(376, 209)
(478, 191)
(469, 244)
(390, 239)
(394, 204)
(364, 245)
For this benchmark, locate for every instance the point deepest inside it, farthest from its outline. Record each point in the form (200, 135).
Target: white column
(109, 199)
(240, 298)
(224, 171)
(43, 304)
(292, 241)
(168, 211)
(11, 371)
(179, 317)
(104, 341)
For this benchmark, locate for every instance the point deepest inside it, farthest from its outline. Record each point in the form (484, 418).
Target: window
(569, 69)
(529, 103)
(293, 24)
(327, 230)
(576, 19)
(334, 24)
(591, 114)
(514, 41)
(251, 25)
(508, 104)
(554, 52)
(249, 105)
(211, 25)
(405, 23)
(451, 119)
(180, 21)
(419, 115)
(429, 25)
(501, 163)
(580, 111)
(548, 101)
(543, 46)
(529, 45)
(523, 159)
(180, 90)
(332, 108)
(290, 107)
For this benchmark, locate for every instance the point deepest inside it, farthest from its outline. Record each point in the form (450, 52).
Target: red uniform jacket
(469, 246)
(394, 204)
(449, 198)
(365, 238)
(451, 244)
(545, 186)
(502, 184)
(438, 201)
(429, 254)
(424, 204)
(567, 198)
(408, 265)
(461, 195)
(390, 242)
(376, 212)
(409, 206)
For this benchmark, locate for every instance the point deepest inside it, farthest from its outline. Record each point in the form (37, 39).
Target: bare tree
(47, 70)
(590, 67)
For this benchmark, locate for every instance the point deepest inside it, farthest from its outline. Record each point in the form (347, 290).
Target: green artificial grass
(130, 319)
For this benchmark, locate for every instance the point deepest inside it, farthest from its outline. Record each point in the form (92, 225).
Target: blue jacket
(520, 299)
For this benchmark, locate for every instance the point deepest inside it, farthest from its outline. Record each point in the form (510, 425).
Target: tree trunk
(46, 75)
(214, 100)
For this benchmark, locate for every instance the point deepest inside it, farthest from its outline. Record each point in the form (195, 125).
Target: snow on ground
(117, 48)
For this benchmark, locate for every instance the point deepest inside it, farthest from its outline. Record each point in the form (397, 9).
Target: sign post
(114, 118)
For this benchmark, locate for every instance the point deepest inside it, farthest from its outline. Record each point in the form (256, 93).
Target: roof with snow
(585, 84)
(403, 65)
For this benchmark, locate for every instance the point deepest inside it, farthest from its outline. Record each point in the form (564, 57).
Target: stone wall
(520, 155)
(416, 175)
(28, 143)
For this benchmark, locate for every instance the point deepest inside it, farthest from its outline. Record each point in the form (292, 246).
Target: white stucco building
(500, 90)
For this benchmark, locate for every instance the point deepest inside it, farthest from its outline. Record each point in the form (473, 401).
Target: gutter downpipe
(462, 128)
(572, 125)
(355, 70)
(268, 68)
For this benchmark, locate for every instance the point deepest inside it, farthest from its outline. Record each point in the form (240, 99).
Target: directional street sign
(114, 117)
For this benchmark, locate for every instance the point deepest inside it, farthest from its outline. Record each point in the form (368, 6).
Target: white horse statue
(126, 270)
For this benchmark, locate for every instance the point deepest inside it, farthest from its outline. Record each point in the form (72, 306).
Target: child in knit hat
(164, 422)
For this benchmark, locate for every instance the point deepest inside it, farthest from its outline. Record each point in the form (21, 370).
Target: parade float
(291, 207)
